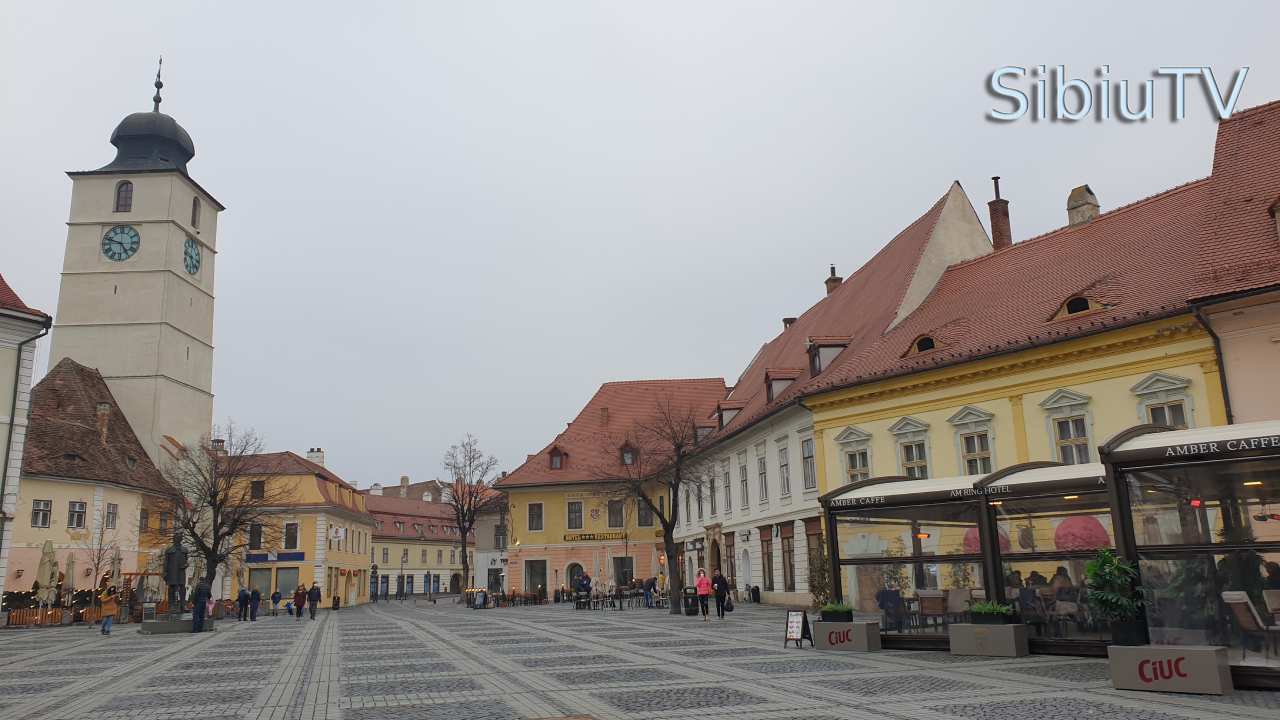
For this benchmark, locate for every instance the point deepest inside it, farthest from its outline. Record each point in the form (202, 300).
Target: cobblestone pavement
(443, 662)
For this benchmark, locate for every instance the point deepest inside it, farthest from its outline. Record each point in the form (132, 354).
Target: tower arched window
(195, 212)
(124, 196)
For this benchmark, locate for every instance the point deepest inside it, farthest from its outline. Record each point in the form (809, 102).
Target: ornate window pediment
(1064, 398)
(908, 425)
(1160, 382)
(852, 434)
(970, 414)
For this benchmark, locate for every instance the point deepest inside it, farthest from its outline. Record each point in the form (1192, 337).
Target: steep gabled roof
(615, 409)
(1238, 246)
(433, 520)
(1136, 262)
(867, 303)
(67, 438)
(10, 301)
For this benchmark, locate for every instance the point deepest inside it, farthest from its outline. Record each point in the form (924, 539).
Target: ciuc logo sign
(1044, 94)
(838, 637)
(1150, 671)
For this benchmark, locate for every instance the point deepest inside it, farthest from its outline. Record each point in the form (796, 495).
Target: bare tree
(98, 546)
(655, 461)
(470, 492)
(225, 496)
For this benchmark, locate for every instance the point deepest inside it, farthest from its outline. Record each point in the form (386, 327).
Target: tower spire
(159, 85)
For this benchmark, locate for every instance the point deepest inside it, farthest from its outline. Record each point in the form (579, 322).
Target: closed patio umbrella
(47, 574)
(69, 578)
(116, 561)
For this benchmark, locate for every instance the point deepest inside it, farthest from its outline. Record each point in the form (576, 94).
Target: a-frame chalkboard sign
(798, 628)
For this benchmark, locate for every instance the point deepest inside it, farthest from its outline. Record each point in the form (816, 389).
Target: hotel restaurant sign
(593, 537)
(1242, 447)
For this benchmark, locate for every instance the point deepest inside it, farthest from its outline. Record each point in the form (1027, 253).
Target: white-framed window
(291, 536)
(617, 518)
(75, 515)
(41, 511)
(742, 480)
(912, 438)
(784, 469)
(697, 499)
(1069, 426)
(973, 439)
(711, 492)
(1164, 399)
(386, 555)
(575, 515)
(535, 517)
(688, 506)
(808, 464)
(762, 474)
(112, 515)
(728, 487)
(422, 560)
(855, 450)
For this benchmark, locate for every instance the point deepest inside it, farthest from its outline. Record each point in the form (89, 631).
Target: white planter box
(989, 640)
(1171, 668)
(847, 636)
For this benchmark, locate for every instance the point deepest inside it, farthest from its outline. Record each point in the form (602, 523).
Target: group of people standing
(248, 602)
(715, 586)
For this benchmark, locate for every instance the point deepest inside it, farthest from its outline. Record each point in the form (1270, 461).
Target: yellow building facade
(416, 546)
(321, 533)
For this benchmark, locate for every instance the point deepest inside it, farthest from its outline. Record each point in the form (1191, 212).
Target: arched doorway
(455, 584)
(715, 557)
(574, 573)
(744, 568)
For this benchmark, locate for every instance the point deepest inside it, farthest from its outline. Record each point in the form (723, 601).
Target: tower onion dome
(151, 141)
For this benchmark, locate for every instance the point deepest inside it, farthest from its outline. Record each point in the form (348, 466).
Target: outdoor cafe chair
(1272, 599)
(933, 605)
(958, 601)
(1251, 623)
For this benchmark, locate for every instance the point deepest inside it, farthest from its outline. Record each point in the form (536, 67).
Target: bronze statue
(175, 573)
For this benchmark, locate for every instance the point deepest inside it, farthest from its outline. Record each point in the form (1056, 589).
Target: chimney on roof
(788, 322)
(1082, 206)
(375, 489)
(404, 486)
(103, 417)
(219, 446)
(1001, 235)
(833, 281)
(316, 455)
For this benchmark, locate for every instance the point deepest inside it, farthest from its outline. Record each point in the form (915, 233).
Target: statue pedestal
(166, 626)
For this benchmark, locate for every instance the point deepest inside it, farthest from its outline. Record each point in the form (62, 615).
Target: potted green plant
(991, 613)
(836, 612)
(1113, 597)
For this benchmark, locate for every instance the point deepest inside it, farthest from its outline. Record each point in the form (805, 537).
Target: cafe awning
(1209, 443)
(898, 490)
(1041, 477)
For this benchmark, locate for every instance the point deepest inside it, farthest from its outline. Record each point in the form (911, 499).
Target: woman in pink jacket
(703, 584)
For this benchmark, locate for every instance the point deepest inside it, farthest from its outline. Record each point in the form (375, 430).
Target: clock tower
(136, 300)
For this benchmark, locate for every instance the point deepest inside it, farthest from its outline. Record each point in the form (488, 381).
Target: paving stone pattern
(442, 662)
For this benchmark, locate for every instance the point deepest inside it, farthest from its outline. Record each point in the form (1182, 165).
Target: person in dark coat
(255, 600)
(199, 603)
(720, 589)
(313, 598)
(649, 585)
(242, 600)
(299, 602)
(275, 602)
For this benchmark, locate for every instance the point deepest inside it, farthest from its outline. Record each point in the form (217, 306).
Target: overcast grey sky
(463, 217)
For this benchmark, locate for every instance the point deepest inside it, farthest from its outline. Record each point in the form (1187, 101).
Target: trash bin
(691, 601)
(335, 602)
(755, 593)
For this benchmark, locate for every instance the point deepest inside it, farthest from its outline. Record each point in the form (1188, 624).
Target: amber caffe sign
(589, 537)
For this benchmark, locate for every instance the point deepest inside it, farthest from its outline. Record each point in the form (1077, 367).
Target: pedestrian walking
(720, 588)
(242, 604)
(313, 598)
(110, 606)
(255, 600)
(650, 584)
(199, 605)
(299, 602)
(275, 602)
(703, 586)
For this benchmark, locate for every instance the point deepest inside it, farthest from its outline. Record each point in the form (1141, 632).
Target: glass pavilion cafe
(1198, 511)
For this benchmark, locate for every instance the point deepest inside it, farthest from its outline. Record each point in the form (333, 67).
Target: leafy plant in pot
(991, 613)
(1113, 597)
(836, 612)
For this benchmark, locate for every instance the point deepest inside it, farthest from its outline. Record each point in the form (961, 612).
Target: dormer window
(727, 410)
(823, 352)
(1077, 305)
(925, 344)
(629, 455)
(777, 380)
(558, 458)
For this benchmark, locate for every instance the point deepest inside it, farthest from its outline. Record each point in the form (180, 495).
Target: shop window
(616, 515)
(784, 469)
(766, 561)
(535, 517)
(41, 510)
(788, 564)
(575, 515)
(808, 464)
(1164, 399)
(75, 515)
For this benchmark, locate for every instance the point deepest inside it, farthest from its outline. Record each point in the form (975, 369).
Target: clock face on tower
(191, 256)
(120, 243)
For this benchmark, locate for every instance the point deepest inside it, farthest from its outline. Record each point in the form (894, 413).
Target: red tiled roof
(290, 463)
(9, 300)
(418, 520)
(65, 440)
(1239, 248)
(858, 311)
(615, 409)
(1137, 261)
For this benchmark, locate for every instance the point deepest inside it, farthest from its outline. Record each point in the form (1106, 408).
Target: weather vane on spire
(159, 85)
